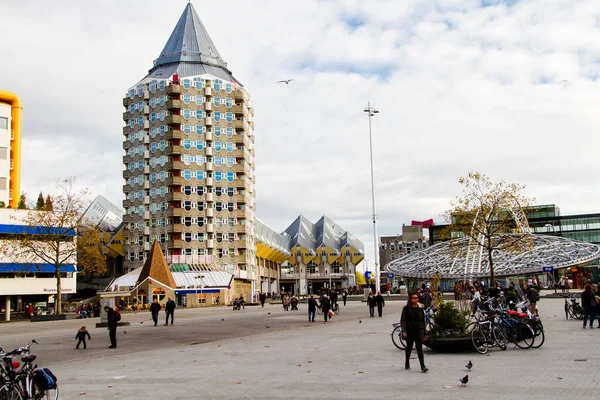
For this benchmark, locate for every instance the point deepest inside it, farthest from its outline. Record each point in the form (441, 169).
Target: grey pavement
(217, 353)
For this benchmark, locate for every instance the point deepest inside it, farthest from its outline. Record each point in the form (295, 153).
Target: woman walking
(413, 330)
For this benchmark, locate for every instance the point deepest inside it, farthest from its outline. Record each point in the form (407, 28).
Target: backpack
(535, 295)
(117, 316)
(44, 379)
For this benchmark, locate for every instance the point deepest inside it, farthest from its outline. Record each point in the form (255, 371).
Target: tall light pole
(554, 273)
(371, 112)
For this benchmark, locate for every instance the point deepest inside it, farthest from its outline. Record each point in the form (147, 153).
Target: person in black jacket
(154, 309)
(380, 303)
(587, 300)
(312, 309)
(371, 304)
(412, 322)
(325, 306)
(169, 310)
(112, 326)
(82, 333)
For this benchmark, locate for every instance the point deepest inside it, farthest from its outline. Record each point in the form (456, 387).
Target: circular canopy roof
(449, 259)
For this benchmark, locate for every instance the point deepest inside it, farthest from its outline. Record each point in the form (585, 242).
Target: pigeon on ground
(360, 321)
(464, 380)
(267, 326)
(222, 319)
(124, 332)
(269, 313)
(469, 365)
(286, 81)
(141, 322)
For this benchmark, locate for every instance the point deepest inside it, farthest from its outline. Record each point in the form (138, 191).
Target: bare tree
(490, 216)
(50, 235)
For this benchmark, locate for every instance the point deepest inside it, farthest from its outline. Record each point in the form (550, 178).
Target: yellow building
(10, 148)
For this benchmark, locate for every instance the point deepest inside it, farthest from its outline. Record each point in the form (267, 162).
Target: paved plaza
(267, 353)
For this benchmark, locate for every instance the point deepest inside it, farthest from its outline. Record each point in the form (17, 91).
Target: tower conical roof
(156, 267)
(190, 51)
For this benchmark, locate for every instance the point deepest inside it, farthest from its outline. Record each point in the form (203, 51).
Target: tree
(360, 278)
(91, 250)
(490, 216)
(50, 235)
(48, 203)
(40, 202)
(22, 205)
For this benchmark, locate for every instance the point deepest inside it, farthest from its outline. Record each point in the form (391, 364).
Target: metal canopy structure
(449, 259)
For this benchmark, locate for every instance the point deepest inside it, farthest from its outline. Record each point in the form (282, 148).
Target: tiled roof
(190, 51)
(156, 267)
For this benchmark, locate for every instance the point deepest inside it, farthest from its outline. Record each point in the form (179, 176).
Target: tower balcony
(173, 166)
(173, 105)
(176, 196)
(173, 89)
(173, 134)
(173, 120)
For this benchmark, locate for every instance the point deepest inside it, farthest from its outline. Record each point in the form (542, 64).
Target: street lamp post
(371, 112)
(554, 274)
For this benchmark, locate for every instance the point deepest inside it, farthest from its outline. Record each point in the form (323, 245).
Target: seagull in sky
(286, 81)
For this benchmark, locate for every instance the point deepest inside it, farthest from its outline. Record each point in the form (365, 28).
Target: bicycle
(486, 333)
(517, 332)
(397, 338)
(29, 382)
(574, 309)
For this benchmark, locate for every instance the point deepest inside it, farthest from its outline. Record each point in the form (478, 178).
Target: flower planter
(450, 345)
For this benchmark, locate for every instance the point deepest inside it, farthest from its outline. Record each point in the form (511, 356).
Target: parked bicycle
(573, 309)
(28, 382)
(487, 333)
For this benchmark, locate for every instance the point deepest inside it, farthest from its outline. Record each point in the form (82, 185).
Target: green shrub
(449, 322)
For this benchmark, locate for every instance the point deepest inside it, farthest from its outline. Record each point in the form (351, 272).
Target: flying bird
(267, 326)
(469, 365)
(464, 380)
(286, 81)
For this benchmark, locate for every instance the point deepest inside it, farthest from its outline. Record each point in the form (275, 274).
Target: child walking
(81, 334)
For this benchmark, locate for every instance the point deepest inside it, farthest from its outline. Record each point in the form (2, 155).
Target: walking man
(380, 303)
(112, 326)
(325, 306)
(154, 309)
(262, 297)
(371, 304)
(169, 310)
(312, 309)
(345, 296)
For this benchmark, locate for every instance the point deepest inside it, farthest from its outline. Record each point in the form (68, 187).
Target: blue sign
(547, 269)
(390, 275)
(367, 274)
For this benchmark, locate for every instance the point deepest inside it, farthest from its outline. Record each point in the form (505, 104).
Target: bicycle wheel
(49, 394)
(480, 339)
(11, 392)
(577, 312)
(567, 311)
(540, 335)
(397, 338)
(525, 335)
(500, 338)
(336, 309)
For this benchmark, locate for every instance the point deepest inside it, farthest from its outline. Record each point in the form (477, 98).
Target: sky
(507, 88)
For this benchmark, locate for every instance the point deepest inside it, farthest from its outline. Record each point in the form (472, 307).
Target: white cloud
(459, 87)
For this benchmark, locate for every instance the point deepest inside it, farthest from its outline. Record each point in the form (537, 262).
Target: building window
(3, 123)
(311, 268)
(336, 268)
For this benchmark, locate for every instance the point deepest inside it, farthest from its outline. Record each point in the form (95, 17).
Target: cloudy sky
(508, 88)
